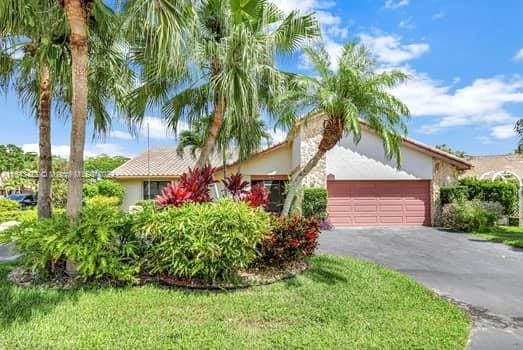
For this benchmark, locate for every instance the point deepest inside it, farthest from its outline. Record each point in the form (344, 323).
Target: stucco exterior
(443, 174)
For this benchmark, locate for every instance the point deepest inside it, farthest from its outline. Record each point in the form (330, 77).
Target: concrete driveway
(484, 278)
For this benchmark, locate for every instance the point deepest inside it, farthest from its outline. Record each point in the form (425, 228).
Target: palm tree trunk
(45, 157)
(76, 16)
(210, 141)
(296, 180)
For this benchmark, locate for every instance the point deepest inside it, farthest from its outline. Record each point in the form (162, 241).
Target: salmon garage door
(379, 203)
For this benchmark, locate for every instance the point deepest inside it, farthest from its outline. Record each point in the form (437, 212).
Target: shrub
(257, 197)
(210, 241)
(315, 203)
(193, 187)
(102, 201)
(101, 244)
(235, 186)
(502, 192)
(467, 216)
(8, 205)
(106, 188)
(292, 238)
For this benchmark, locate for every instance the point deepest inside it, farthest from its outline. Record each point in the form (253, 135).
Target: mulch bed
(246, 278)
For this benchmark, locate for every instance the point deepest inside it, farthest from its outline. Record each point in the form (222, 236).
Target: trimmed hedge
(469, 189)
(315, 203)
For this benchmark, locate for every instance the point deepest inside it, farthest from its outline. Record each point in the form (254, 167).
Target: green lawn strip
(339, 303)
(510, 235)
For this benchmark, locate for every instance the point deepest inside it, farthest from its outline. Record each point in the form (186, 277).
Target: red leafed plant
(292, 238)
(257, 197)
(235, 186)
(174, 194)
(192, 187)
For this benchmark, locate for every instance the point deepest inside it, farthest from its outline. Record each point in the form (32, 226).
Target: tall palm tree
(32, 44)
(230, 73)
(354, 92)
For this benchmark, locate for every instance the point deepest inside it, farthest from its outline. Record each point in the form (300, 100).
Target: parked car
(25, 200)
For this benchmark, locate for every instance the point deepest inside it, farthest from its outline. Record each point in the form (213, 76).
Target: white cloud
(438, 15)
(503, 132)
(119, 134)
(90, 151)
(483, 102)
(389, 49)
(391, 4)
(519, 55)
(407, 24)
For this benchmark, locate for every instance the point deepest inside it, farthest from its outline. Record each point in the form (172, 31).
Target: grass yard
(504, 234)
(339, 303)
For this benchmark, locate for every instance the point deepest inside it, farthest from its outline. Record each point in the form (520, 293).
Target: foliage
(257, 197)
(446, 148)
(502, 192)
(106, 188)
(100, 244)
(102, 201)
(467, 216)
(10, 211)
(518, 128)
(104, 163)
(315, 203)
(211, 241)
(193, 187)
(8, 205)
(12, 158)
(292, 238)
(235, 186)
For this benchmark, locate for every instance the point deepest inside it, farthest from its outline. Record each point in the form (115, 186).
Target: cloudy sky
(465, 65)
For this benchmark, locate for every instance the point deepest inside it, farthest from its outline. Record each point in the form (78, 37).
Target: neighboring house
(364, 187)
(492, 164)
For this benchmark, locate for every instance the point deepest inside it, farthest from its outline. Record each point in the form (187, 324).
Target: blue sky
(465, 60)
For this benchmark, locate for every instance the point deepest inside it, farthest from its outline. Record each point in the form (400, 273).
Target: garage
(379, 203)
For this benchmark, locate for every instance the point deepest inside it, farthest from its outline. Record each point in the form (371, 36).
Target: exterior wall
(443, 174)
(133, 192)
(312, 134)
(367, 161)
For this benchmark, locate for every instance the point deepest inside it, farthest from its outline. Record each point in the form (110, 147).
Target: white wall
(277, 162)
(367, 161)
(133, 192)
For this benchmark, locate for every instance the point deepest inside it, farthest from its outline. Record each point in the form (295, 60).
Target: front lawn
(339, 303)
(503, 234)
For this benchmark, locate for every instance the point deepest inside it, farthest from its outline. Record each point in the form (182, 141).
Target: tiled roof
(162, 162)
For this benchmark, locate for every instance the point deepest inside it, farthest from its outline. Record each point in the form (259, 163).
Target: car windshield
(16, 197)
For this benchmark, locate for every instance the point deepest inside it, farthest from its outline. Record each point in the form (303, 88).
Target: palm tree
(355, 92)
(32, 35)
(230, 73)
(43, 72)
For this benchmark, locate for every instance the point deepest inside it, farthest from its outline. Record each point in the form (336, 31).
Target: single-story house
(364, 187)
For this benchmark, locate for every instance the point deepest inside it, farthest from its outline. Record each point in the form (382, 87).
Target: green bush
(106, 188)
(8, 205)
(101, 244)
(100, 200)
(468, 216)
(502, 192)
(315, 203)
(210, 241)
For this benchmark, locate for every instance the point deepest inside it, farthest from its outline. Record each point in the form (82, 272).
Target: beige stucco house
(364, 187)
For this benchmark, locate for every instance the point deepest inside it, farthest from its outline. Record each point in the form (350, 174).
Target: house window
(276, 189)
(155, 190)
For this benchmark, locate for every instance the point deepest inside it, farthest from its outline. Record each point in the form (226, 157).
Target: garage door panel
(371, 203)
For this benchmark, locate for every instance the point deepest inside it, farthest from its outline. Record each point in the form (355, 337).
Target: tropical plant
(292, 238)
(256, 197)
(231, 54)
(354, 92)
(468, 216)
(210, 241)
(518, 128)
(235, 185)
(315, 203)
(174, 194)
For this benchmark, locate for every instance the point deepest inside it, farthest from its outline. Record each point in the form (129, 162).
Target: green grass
(339, 303)
(503, 234)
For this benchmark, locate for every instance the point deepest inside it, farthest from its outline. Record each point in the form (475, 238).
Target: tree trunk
(45, 157)
(297, 180)
(210, 141)
(76, 17)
